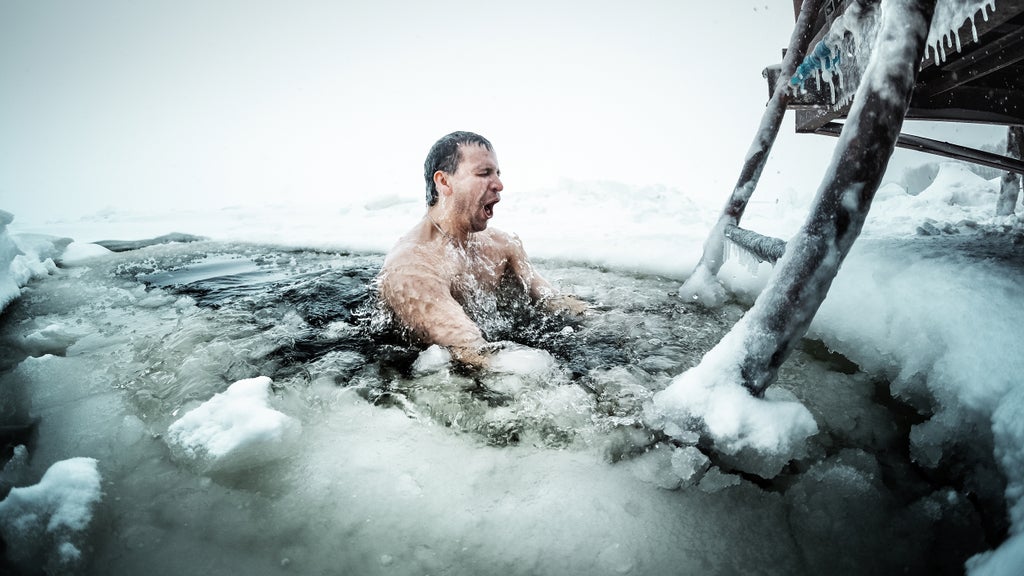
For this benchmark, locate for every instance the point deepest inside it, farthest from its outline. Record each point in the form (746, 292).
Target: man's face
(476, 186)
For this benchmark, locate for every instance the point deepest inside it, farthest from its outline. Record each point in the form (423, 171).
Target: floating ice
(689, 464)
(51, 339)
(432, 359)
(1004, 561)
(522, 360)
(47, 520)
(234, 430)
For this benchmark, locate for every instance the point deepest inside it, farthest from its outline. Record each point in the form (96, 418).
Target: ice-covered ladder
(782, 313)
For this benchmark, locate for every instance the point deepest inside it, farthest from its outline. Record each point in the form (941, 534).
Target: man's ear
(441, 183)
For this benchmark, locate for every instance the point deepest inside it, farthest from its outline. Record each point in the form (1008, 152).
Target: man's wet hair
(444, 155)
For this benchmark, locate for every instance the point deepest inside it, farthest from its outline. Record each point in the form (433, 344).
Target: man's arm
(423, 302)
(540, 290)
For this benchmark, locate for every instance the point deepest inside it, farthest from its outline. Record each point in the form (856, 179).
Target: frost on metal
(785, 308)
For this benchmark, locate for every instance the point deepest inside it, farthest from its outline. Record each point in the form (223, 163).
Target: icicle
(949, 18)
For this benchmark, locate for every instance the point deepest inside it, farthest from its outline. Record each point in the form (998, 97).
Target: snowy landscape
(220, 470)
(228, 399)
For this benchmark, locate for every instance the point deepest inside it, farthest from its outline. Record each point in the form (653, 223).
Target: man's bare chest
(476, 271)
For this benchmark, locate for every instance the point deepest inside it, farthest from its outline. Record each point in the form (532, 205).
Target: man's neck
(444, 226)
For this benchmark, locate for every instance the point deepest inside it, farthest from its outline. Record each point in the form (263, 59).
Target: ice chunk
(234, 430)
(9, 286)
(715, 481)
(516, 359)
(655, 467)
(689, 464)
(430, 360)
(51, 339)
(43, 524)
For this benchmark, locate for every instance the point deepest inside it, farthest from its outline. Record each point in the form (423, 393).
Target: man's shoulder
(498, 237)
(406, 252)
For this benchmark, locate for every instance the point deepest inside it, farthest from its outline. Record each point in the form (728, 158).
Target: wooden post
(714, 246)
(784, 310)
(1010, 182)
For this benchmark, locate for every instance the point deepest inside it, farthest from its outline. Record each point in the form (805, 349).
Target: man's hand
(471, 357)
(563, 303)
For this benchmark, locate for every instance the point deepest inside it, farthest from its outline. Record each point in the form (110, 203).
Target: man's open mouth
(489, 209)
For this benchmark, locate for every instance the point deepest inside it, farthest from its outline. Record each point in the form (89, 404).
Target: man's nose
(498, 186)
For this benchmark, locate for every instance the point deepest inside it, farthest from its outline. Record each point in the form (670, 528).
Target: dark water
(639, 326)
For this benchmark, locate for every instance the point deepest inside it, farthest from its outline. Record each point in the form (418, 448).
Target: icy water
(407, 465)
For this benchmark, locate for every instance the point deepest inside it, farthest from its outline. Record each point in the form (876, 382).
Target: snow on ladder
(780, 316)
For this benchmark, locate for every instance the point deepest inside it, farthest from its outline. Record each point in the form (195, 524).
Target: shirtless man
(427, 276)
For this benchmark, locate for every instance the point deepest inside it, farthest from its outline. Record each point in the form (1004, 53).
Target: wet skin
(435, 267)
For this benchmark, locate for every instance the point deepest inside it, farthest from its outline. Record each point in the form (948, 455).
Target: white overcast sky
(209, 103)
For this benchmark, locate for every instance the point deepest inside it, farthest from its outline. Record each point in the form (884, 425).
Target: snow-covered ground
(928, 301)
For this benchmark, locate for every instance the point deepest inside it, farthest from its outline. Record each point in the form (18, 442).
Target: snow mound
(9, 287)
(43, 524)
(234, 430)
(703, 287)
(956, 185)
(78, 253)
(24, 257)
(756, 435)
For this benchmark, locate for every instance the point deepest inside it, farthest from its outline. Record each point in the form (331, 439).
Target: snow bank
(1008, 428)
(929, 318)
(9, 287)
(48, 520)
(24, 257)
(234, 430)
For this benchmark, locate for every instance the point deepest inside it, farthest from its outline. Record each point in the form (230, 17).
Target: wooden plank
(1005, 11)
(981, 105)
(999, 54)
